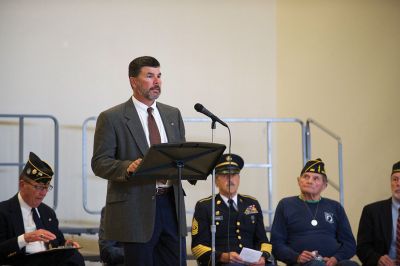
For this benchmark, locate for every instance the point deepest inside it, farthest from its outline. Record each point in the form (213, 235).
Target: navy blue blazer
(12, 226)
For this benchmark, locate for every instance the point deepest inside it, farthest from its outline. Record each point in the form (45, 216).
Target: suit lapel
(219, 204)
(387, 221)
(169, 126)
(16, 216)
(135, 126)
(44, 216)
(240, 205)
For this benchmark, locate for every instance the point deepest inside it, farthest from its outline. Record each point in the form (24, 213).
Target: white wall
(335, 61)
(338, 62)
(70, 59)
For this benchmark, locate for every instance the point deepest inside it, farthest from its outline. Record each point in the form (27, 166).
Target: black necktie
(36, 219)
(231, 205)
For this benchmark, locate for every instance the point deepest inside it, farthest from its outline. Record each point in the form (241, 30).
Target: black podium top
(196, 160)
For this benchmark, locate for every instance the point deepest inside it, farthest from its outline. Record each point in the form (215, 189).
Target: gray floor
(90, 263)
(90, 247)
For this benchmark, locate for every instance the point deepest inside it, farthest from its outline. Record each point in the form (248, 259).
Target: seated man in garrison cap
(238, 219)
(311, 230)
(28, 227)
(379, 223)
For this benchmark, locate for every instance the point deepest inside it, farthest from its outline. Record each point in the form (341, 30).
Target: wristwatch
(266, 255)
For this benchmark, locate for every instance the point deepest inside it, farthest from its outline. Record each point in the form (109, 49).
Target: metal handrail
(340, 154)
(21, 162)
(268, 165)
(85, 166)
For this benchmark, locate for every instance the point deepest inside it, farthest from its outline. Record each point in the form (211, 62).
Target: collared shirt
(395, 214)
(141, 109)
(29, 226)
(234, 198)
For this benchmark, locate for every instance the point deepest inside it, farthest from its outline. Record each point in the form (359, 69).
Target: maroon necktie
(154, 133)
(398, 240)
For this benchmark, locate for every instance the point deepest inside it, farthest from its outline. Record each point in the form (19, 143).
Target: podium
(195, 159)
(182, 161)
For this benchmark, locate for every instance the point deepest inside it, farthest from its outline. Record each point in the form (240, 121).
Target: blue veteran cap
(314, 166)
(396, 168)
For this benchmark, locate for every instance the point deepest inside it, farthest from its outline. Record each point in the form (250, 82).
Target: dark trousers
(163, 247)
(321, 263)
(56, 258)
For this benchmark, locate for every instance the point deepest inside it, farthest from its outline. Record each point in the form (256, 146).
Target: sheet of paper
(250, 255)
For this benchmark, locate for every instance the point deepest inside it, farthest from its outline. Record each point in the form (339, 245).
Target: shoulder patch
(195, 227)
(205, 199)
(248, 196)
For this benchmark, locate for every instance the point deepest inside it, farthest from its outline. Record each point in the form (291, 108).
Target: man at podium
(239, 220)
(140, 212)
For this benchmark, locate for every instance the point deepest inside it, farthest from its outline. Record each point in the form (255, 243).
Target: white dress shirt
(29, 226)
(141, 109)
(234, 198)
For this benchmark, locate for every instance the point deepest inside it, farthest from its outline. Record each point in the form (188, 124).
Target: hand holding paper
(249, 255)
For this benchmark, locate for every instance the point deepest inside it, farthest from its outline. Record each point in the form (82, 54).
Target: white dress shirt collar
(142, 106)
(234, 198)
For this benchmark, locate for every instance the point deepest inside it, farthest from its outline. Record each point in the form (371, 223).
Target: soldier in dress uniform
(238, 219)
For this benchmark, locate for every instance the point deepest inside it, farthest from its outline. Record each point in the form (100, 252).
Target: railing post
(21, 146)
(340, 155)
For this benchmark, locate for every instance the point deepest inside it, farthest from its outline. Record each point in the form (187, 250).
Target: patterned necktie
(154, 134)
(398, 240)
(36, 219)
(231, 205)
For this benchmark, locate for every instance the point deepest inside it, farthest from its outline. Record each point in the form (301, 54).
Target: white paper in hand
(249, 255)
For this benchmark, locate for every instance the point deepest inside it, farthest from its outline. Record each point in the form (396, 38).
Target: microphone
(201, 109)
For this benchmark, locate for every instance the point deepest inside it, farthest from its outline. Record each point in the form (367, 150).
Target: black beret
(314, 166)
(396, 168)
(37, 170)
(229, 164)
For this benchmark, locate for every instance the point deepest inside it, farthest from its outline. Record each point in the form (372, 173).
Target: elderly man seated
(29, 233)
(309, 229)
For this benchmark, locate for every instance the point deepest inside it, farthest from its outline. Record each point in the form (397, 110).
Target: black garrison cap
(37, 170)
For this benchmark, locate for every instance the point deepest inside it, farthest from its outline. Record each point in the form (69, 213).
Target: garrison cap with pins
(396, 168)
(229, 164)
(38, 170)
(314, 166)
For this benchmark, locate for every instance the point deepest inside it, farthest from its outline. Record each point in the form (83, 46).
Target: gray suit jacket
(120, 139)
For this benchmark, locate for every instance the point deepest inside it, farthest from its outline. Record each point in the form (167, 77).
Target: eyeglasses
(39, 187)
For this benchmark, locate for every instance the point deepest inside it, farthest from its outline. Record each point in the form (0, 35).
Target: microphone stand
(213, 227)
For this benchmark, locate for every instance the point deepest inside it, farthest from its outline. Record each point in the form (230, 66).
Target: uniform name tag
(219, 218)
